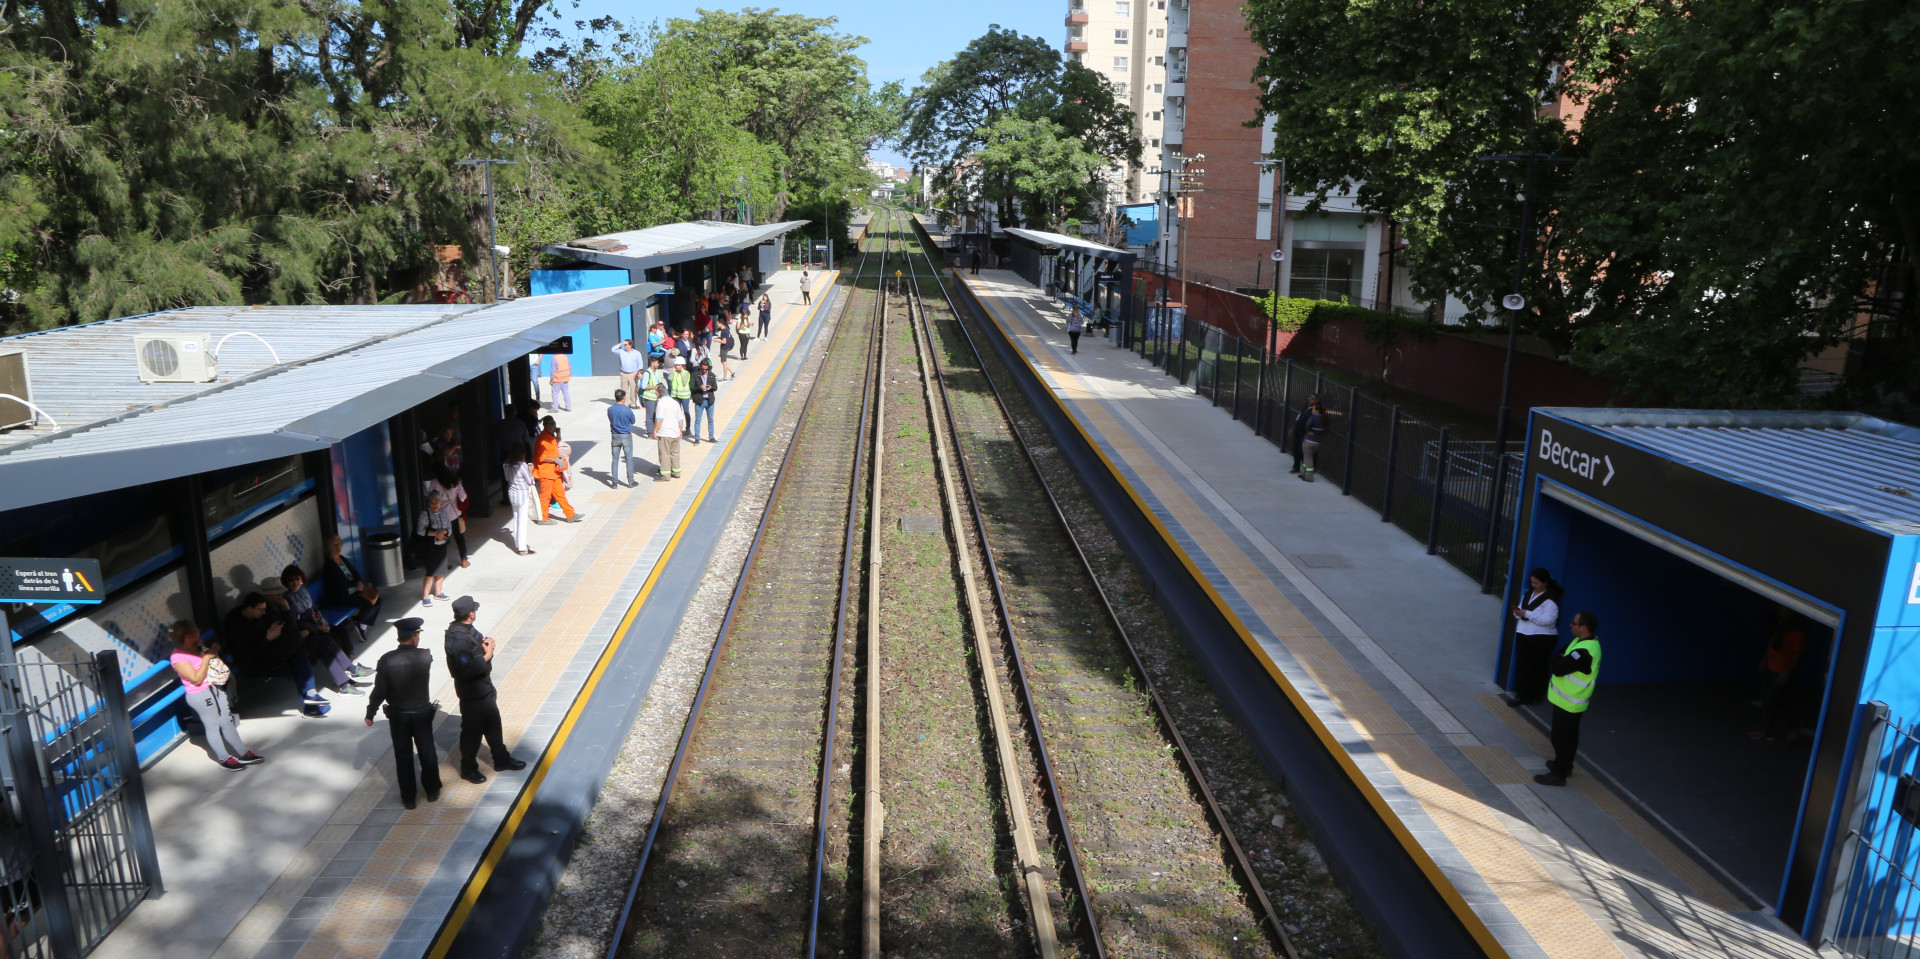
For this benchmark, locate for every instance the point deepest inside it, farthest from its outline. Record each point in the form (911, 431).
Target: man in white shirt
(631, 362)
(669, 423)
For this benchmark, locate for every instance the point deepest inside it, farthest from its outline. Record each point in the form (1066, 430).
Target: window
(1119, 63)
(1079, 58)
(1122, 8)
(1156, 88)
(1076, 32)
(1154, 143)
(1159, 31)
(1326, 274)
(1156, 114)
(1159, 61)
(1121, 36)
(1120, 90)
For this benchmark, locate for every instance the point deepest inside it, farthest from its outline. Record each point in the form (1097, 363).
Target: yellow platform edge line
(1464, 911)
(497, 850)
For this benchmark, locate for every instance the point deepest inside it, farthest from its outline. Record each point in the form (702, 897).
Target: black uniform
(1298, 438)
(401, 682)
(479, 711)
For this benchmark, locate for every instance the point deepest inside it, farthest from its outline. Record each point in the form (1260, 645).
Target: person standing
(620, 423)
(680, 388)
(402, 681)
(668, 424)
(562, 382)
(653, 383)
(1312, 433)
(806, 287)
(548, 467)
(1786, 643)
(1076, 325)
(631, 363)
(520, 492)
(434, 533)
(202, 672)
(470, 660)
(533, 374)
(766, 318)
(703, 389)
(722, 342)
(1571, 691)
(1535, 634)
(744, 333)
(1297, 436)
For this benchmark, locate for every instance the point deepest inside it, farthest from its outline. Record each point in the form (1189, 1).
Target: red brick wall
(1221, 98)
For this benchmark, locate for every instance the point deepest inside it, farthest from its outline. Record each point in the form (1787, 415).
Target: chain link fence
(1456, 496)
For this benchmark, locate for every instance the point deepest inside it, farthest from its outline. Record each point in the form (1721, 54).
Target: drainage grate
(1323, 561)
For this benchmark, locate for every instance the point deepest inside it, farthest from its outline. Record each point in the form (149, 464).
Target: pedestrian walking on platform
(806, 287)
(202, 674)
(402, 682)
(1313, 432)
(1535, 634)
(704, 387)
(620, 422)
(1297, 436)
(722, 342)
(470, 660)
(520, 492)
(1076, 325)
(668, 424)
(766, 318)
(631, 363)
(1575, 673)
(561, 379)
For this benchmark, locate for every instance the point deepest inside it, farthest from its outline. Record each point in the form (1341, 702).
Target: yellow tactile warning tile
(1498, 764)
(1548, 912)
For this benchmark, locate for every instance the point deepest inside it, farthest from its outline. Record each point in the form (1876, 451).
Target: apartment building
(1125, 41)
(1229, 229)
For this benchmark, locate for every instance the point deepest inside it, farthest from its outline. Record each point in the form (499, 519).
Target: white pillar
(1370, 263)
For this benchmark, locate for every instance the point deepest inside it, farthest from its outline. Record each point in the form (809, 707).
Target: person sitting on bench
(262, 645)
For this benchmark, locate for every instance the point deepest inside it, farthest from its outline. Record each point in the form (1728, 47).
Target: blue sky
(904, 39)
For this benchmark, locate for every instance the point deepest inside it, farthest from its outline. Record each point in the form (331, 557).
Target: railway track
(923, 730)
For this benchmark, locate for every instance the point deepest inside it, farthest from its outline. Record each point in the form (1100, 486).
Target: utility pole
(1515, 303)
(1188, 181)
(493, 247)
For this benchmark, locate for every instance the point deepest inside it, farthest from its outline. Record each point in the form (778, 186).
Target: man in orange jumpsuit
(547, 466)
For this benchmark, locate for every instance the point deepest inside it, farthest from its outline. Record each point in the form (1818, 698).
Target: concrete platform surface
(311, 855)
(1392, 649)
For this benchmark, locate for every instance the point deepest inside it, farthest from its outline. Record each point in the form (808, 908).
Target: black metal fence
(1874, 910)
(77, 850)
(1439, 489)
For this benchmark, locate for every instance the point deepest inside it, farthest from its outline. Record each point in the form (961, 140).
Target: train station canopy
(1062, 243)
(291, 379)
(672, 243)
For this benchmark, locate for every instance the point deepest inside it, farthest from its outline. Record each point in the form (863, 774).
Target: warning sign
(50, 580)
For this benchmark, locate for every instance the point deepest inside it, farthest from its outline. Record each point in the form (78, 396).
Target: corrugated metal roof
(1847, 464)
(1061, 240)
(671, 243)
(383, 360)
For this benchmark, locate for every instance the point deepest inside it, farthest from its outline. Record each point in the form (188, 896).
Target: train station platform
(1388, 650)
(311, 855)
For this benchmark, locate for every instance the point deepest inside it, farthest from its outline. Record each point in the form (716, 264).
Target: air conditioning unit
(175, 358)
(13, 382)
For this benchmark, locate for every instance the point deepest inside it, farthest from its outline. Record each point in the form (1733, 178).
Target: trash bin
(384, 563)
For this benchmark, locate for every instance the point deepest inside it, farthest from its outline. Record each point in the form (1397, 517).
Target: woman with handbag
(202, 674)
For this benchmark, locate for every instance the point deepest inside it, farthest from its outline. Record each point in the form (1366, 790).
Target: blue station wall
(542, 282)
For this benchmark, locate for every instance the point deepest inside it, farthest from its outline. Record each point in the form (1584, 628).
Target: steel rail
(1238, 857)
(695, 713)
(1031, 867)
(874, 812)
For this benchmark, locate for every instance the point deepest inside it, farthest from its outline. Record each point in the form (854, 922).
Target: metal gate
(1874, 909)
(76, 847)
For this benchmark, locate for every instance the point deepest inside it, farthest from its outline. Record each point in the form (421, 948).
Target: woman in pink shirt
(201, 672)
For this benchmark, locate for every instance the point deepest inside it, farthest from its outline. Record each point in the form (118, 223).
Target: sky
(903, 39)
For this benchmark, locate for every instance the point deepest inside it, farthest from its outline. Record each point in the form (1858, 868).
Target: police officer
(401, 682)
(1570, 690)
(470, 660)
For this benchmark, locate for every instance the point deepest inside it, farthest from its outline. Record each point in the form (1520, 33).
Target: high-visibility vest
(1574, 691)
(650, 383)
(680, 385)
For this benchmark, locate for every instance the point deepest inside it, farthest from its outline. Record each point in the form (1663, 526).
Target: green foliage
(1293, 314)
(1742, 175)
(1035, 163)
(1003, 75)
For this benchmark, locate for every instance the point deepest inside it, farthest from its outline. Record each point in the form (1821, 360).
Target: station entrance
(1713, 681)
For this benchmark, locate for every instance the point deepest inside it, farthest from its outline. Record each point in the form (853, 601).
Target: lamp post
(493, 247)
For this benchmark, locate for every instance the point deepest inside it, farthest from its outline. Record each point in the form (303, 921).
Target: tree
(1044, 170)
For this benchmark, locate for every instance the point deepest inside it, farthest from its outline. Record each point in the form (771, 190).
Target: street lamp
(493, 247)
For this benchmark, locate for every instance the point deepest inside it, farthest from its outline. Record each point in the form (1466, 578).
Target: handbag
(218, 672)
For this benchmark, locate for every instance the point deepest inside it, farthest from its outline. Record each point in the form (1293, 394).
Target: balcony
(1177, 41)
(1177, 89)
(1077, 17)
(1076, 46)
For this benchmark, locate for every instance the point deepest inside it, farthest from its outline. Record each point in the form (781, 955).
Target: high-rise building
(1125, 41)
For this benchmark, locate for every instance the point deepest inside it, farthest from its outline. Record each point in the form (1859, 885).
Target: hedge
(1292, 314)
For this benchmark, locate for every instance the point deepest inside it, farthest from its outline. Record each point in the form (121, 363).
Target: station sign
(24, 580)
(1582, 464)
(561, 345)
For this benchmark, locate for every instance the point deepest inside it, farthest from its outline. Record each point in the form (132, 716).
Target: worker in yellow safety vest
(1570, 690)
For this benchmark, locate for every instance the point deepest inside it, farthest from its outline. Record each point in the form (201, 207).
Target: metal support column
(188, 512)
(319, 464)
(1353, 431)
(1393, 454)
(1239, 353)
(1439, 494)
(127, 758)
(477, 458)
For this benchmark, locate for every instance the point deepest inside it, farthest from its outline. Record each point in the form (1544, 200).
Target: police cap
(411, 624)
